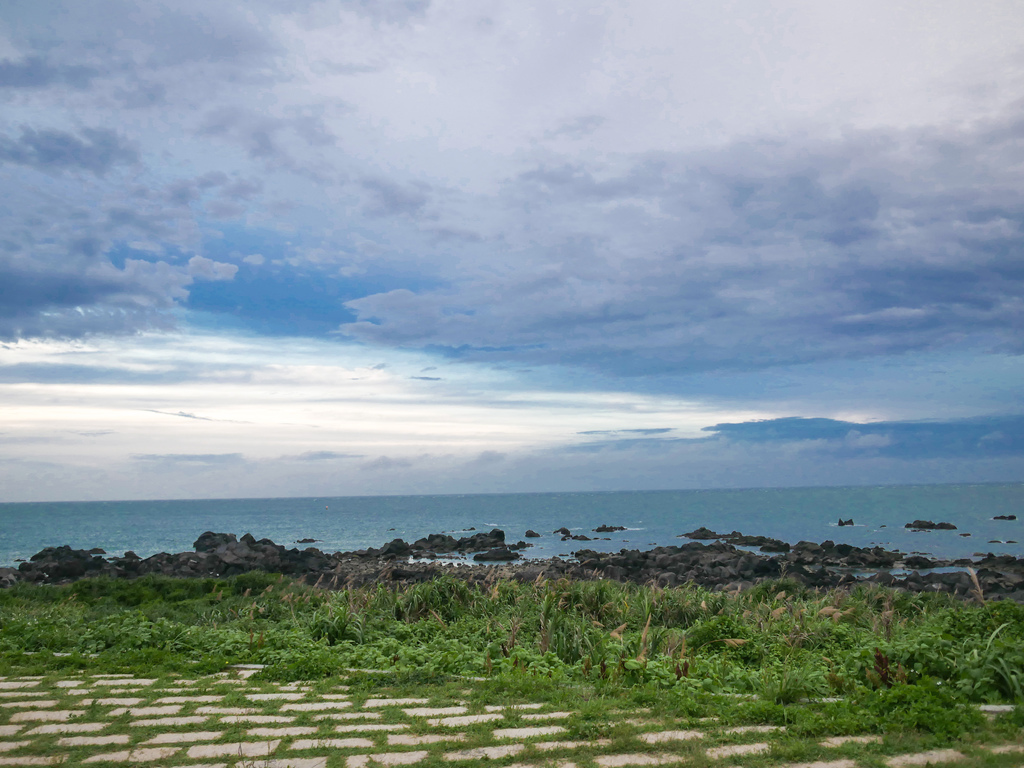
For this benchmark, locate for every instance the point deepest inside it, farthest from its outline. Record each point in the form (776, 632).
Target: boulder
(500, 554)
(210, 541)
(532, 534)
(609, 528)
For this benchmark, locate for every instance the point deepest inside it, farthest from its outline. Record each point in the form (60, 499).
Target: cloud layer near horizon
(722, 205)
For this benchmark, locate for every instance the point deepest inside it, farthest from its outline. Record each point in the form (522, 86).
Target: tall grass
(777, 640)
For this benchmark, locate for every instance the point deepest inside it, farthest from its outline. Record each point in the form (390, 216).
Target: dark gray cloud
(759, 253)
(388, 198)
(98, 150)
(37, 72)
(191, 458)
(968, 439)
(992, 436)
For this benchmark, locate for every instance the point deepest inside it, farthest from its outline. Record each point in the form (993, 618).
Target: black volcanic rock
(532, 534)
(210, 541)
(609, 528)
(928, 525)
(501, 554)
(701, 533)
(1005, 517)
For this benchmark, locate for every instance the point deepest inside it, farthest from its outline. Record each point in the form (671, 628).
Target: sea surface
(653, 518)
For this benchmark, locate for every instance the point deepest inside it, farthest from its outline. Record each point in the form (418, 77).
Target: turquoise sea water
(653, 518)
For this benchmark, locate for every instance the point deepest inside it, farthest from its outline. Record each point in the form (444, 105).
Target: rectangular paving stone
(171, 722)
(335, 696)
(48, 715)
(69, 683)
(386, 758)
(10, 746)
(546, 716)
(348, 716)
(823, 764)
(660, 737)
(10, 685)
(369, 727)
(405, 740)
(24, 694)
(170, 709)
(257, 719)
(491, 753)
(48, 760)
(10, 730)
(184, 738)
(238, 749)
(332, 744)
(716, 753)
(513, 707)
(188, 699)
(92, 741)
(1006, 749)
(433, 711)
(465, 719)
(226, 711)
(29, 704)
(275, 696)
(925, 758)
(394, 702)
(315, 706)
(546, 746)
(838, 741)
(41, 730)
(618, 761)
(296, 762)
(124, 682)
(112, 677)
(754, 729)
(144, 755)
(528, 733)
(118, 701)
(294, 730)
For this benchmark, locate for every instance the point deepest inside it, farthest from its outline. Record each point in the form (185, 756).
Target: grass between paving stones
(622, 659)
(620, 717)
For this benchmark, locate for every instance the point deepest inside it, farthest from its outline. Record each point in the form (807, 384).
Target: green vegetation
(896, 662)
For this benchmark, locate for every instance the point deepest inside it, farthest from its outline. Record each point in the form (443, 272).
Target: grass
(902, 665)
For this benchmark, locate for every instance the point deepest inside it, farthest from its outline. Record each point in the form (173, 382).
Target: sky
(361, 247)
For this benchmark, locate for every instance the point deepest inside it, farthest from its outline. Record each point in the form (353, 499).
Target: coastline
(487, 557)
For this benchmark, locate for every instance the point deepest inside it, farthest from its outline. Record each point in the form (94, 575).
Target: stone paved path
(231, 721)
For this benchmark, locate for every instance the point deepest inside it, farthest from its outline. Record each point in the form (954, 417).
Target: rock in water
(701, 533)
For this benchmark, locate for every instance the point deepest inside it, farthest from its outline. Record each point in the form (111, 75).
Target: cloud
(388, 198)
(758, 253)
(97, 151)
(386, 464)
(578, 127)
(325, 456)
(208, 269)
(37, 72)
(994, 436)
(191, 458)
(646, 431)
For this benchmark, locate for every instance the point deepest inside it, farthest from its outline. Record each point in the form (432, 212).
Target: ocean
(653, 518)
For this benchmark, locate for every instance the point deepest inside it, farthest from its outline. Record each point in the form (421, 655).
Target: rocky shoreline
(719, 565)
